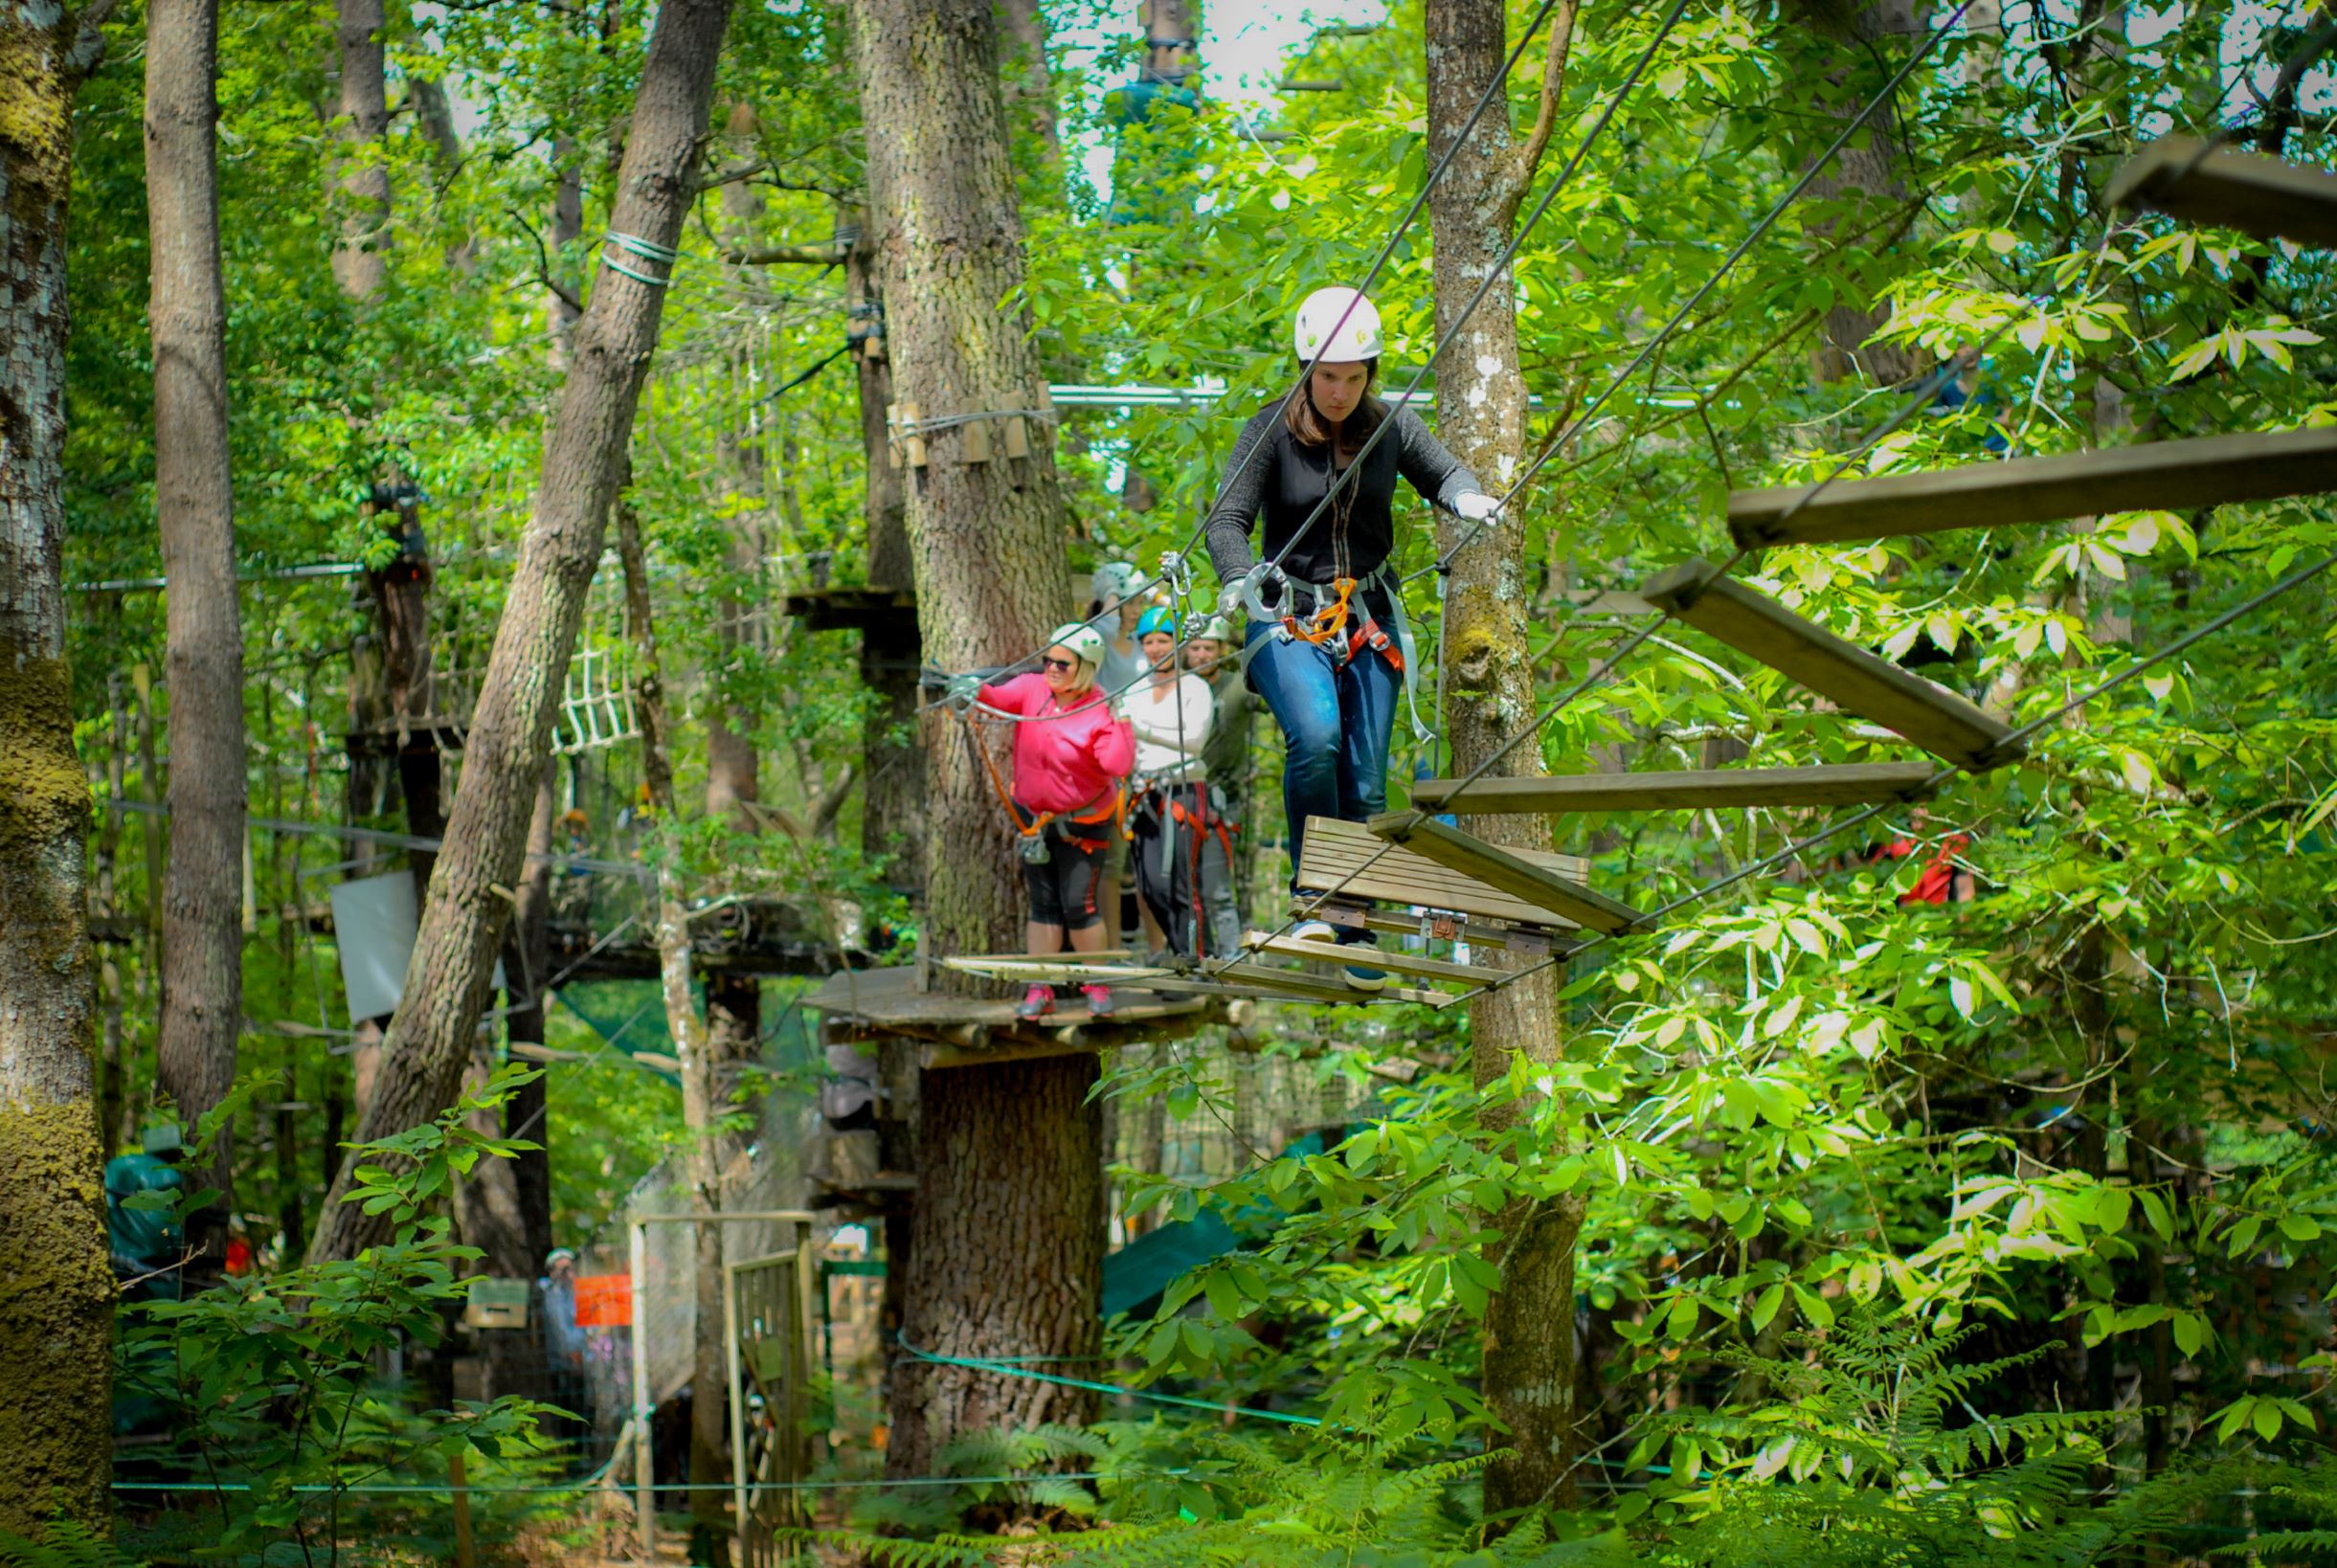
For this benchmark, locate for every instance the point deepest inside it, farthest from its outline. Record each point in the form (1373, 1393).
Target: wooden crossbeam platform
(968, 1031)
(2162, 476)
(1500, 869)
(1300, 987)
(1851, 784)
(1348, 859)
(1397, 961)
(2268, 198)
(1932, 717)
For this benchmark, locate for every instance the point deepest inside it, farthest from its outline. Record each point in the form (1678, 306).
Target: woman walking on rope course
(1070, 757)
(1329, 647)
(1182, 844)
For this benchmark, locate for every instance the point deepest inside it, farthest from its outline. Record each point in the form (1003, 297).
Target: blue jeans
(1335, 722)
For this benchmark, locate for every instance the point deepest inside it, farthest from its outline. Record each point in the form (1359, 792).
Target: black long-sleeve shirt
(1286, 482)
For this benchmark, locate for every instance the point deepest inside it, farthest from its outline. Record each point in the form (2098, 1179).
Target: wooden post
(466, 1555)
(644, 1463)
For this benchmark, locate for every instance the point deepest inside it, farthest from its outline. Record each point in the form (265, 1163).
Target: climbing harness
(1031, 835)
(1330, 626)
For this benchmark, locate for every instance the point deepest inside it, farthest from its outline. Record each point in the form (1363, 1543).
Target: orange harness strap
(1328, 621)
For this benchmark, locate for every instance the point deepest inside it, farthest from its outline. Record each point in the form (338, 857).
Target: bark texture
(1866, 176)
(465, 913)
(891, 829)
(1007, 1241)
(528, 966)
(57, 1293)
(1006, 1250)
(1488, 696)
(202, 1011)
(361, 261)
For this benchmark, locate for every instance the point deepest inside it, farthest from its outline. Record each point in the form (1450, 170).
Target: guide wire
(1495, 88)
(1766, 222)
(1868, 813)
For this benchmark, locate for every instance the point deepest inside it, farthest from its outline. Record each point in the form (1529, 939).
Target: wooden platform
(1932, 717)
(2268, 198)
(1852, 784)
(2157, 476)
(969, 1031)
(1235, 981)
(1349, 859)
(1502, 871)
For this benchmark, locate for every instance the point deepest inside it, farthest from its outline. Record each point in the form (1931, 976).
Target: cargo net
(597, 707)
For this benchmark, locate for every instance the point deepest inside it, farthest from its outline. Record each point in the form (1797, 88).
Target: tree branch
(1553, 88)
(89, 38)
(543, 265)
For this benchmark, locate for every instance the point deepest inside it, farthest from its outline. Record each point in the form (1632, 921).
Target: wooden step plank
(1348, 859)
(1932, 717)
(1851, 784)
(1502, 869)
(2268, 198)
(1325, 988)
(1397, 961)
(2156, 476)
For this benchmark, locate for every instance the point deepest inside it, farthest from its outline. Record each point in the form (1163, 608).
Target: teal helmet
(1158, 619)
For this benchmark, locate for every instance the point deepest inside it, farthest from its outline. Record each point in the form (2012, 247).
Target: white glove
(1229, 599)
(964, 690)
(1477, 508)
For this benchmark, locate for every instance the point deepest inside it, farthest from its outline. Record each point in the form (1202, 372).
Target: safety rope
(647, 250)
(1007, 1368)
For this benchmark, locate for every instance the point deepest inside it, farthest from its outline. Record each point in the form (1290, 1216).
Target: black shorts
(1063, 890)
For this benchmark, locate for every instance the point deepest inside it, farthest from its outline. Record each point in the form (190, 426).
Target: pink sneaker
(1100, 1004)
(1037, 1002)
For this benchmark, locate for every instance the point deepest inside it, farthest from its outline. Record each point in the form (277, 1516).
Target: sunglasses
(1067, 665)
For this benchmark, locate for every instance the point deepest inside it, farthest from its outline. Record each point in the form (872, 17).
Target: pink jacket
(1067, 764)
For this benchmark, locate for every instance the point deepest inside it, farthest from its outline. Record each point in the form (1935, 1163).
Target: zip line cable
(2250, 606)
(1493, 89)
(1768, 221)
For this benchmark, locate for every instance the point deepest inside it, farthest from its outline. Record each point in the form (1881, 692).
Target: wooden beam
(1932, 717)
(2268, 198)
(1402, 963)
(1498, 869)
(1853, 784)
(2159, 475)
(1346, 861)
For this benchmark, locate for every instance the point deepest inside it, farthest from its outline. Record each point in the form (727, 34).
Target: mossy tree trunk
(1488, 696)
(467, 908)
(202, 1011)
(1005, 1257)
(57, 1293)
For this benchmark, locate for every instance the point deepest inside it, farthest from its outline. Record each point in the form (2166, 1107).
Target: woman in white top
(1183, 845)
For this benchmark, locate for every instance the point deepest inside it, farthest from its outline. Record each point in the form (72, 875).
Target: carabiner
(1253, 602)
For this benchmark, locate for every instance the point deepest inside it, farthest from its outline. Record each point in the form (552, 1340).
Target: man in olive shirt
(1214, 654)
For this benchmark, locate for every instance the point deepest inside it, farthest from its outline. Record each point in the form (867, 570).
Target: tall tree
(469, 907)
(57, 1293)
(1489, 685)
(1010, 1155)
(202, 1011)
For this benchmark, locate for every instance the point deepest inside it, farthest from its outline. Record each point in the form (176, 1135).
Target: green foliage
(64, 1544)
(269, 1380)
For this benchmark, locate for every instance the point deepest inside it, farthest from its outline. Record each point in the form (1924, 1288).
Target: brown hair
(1309, 428)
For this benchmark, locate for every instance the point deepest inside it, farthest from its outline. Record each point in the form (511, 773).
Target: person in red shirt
(1070, 755)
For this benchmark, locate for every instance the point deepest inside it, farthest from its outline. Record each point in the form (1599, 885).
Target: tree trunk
(1869, 166)
(202, 1011)
(510, 735)
(1489, 692)
(1027, 81)
(57, 1293)
(528, 965)
(891, 829)
(1007, 1247)
(361, 261)
(703, 1096)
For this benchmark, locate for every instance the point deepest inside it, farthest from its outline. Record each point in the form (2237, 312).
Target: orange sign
(604, 1301)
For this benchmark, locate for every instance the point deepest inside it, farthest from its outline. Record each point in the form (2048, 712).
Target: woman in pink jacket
(1070, 752)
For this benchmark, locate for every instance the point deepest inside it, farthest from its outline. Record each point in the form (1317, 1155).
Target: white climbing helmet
(1336, 327)
(1119, 580)
(1086, 642)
